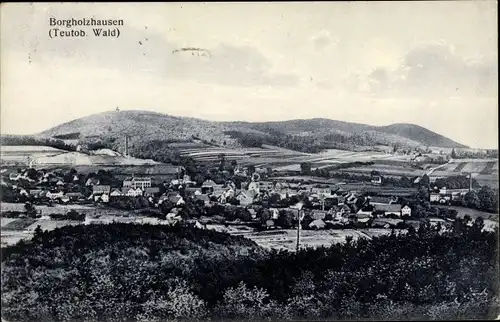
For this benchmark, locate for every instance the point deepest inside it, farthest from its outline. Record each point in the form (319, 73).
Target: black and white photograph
(249, 161)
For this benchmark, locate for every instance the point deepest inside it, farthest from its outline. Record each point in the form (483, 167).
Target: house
(192, 191)
(172, 197)
(246, 197)
(406, 211)
(434, 197)
(317, 224)
(240, 171)
(266, 185)
(59, 183)
(270, 224)
(363, 219)
(218, 191)
(131, 192)
(322, 192)
(208, 186)
(392, 209)
(35, 193)
(137, 182)
(274, 213)
(151, 191)
(100, 189)
(364, 213)
(350, 198)
(92, 182)
(378, 200)
(281, 185)
(65, 199)
(105, 197)
(55, 195)
(115, 193)
(252, 212)
(223, 194)
(175, 183)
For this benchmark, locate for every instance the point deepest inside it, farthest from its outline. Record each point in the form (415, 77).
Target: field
(473, 213)
(485, 172)
(283, 159)
(286, 239)
(23, 154)
(45, 156)
(402, 169)
(46, 210)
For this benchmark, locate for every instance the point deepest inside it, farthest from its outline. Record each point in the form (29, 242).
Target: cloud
(228, 65)
(432, 70)
(323, 40)
(139, 49)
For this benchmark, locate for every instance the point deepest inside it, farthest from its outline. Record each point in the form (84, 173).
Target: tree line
(123, 272)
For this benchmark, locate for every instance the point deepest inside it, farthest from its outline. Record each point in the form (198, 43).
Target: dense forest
(124, 272)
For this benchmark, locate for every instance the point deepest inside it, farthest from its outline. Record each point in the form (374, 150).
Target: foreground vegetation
(123, 272)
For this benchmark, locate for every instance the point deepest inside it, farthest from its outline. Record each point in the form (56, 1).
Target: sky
(434, 64)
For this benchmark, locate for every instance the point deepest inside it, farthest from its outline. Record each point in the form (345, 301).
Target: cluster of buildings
(322, 203)
(446, 196)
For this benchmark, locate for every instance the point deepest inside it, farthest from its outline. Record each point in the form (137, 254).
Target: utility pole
(470, 181)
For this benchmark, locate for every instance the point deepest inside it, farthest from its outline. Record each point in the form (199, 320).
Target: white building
(406, 211)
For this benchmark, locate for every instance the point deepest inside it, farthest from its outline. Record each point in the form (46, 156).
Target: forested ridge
(123, 272)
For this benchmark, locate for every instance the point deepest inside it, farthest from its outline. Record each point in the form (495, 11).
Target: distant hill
(420, 134)
(309, 135)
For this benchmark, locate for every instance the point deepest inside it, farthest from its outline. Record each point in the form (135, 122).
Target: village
(242, 196)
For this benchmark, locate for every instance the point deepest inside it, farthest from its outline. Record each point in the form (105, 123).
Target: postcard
(249, 161)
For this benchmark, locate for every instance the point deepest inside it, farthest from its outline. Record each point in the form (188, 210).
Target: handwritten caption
(84, 27)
